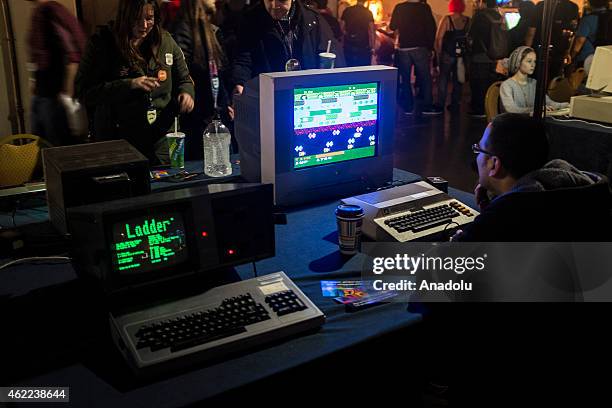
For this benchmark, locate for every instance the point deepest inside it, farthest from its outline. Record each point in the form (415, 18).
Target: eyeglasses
(477, 149)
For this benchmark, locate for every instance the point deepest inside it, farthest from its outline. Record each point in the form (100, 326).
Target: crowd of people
(158, 60)
(191, 57)
(161, 59)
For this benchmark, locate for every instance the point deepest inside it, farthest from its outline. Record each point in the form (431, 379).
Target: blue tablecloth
(306, 250)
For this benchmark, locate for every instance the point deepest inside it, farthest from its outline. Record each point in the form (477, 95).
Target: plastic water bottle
(217, 150)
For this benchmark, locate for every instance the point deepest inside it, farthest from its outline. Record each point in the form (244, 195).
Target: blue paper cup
(327, 59)
(349, 219)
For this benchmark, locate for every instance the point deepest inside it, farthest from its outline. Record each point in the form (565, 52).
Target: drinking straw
(328, 46)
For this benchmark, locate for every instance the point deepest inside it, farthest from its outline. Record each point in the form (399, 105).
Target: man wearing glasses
(524, 198)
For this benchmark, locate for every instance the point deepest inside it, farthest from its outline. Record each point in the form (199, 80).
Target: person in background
(168, 10)
(482, 67)
(280, 35)
(413, 21)
(134, 79)
(518, 190)
(517, 93)
(450, 39)
(198, 38)
(321, 7)
(359, 34)
(56, 43)
(587, 32)
(519, 32)
(230, 19)
(565, 21)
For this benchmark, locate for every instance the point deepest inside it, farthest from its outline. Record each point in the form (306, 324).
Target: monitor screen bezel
(376, 148)
(595, 79)
(187, 267)
(340, 179)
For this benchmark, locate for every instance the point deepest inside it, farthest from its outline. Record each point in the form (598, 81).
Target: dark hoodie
(500, 341)
(557, 203)
(260, 47)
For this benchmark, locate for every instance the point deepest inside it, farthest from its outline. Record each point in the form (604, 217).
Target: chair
(560, 90)
(576, 78)
(492, 101)
(20, 158)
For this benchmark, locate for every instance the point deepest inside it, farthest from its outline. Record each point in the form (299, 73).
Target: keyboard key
(222, 333)
(421, 220)
(431, 224)
(194, 328)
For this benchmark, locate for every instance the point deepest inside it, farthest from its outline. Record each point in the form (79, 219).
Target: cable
(391, 184)
(35, 258)
(13, 216)
(446, 230)
(254, 270)
(580, 120)
(16, 208)
(451, 223)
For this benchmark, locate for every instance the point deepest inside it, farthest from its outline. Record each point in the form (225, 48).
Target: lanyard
(214, 80)
(287, 39)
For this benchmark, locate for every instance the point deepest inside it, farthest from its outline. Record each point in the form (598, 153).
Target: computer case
(91, 173)
(247, 131)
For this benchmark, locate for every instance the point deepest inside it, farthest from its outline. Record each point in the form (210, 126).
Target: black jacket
(200, 72)
(103, 83)
(554, 204)
(415, 23)
(557, 203)
(261, 49)
(479, 33)
(194, 123)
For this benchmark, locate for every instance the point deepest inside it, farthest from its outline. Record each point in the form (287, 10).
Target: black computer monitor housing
(153, 239)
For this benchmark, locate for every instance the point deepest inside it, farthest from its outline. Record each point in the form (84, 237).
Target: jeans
(49, 121)
(448, 69)
(419, 57)
(482, 76)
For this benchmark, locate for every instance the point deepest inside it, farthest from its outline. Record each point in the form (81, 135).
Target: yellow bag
(17, 163)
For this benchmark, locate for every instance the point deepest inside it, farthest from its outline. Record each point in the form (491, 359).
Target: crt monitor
(317, 134)
(148, 240)
(600, 74)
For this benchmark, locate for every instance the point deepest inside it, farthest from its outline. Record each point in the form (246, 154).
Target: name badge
(169, 58)
(151, 115)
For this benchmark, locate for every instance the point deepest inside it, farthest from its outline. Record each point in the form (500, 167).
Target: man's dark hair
(491, 3)
(598, 3)
(519, 141)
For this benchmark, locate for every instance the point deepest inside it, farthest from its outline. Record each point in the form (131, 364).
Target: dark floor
(438, 146)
